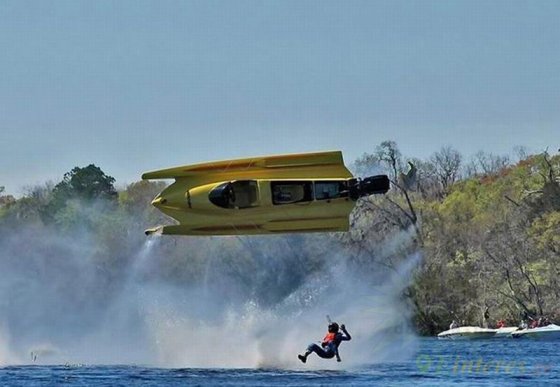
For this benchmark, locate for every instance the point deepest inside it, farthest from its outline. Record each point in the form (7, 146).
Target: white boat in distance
(549, 332)
(505, 332)
(467, 333)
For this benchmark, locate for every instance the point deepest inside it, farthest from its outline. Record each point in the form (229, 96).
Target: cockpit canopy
(235, 194)
(241, 194)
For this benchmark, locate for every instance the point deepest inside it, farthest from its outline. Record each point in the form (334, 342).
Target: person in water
(329, 346)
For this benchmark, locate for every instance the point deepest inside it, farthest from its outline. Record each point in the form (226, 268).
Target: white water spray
(260, 317)
(249, 335)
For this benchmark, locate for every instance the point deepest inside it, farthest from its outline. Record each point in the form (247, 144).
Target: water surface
(436, 363)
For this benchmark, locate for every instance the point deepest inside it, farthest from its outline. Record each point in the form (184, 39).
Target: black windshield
(236, 194)
(221, 195)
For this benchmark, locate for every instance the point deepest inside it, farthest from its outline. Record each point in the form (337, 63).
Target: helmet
(333, 327)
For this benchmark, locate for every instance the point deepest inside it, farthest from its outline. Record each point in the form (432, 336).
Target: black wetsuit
(328, 350)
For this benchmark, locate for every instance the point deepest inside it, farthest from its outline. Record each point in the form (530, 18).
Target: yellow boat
(308, 192)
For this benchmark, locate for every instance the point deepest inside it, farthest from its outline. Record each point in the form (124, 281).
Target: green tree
(138, 196)
(80, 184)
(5, 200)
(86, 183)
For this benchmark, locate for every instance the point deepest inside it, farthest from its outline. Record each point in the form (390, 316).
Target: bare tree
(447, 164)
(389, 153)
(489, 163)
(367, 164)
(521, 152)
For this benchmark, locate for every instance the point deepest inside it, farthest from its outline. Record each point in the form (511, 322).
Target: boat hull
(505, 332)
(467, 333)
(550, 332)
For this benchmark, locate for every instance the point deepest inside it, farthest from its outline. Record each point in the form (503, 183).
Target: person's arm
(346, 336)
(338, 359)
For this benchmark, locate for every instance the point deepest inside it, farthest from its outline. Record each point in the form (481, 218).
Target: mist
(72, 297)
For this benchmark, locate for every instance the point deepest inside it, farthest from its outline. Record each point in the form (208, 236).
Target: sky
(133, 86)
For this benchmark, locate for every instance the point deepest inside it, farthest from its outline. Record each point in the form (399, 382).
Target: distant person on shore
(454, 324)
(500, 324)
(329, 345)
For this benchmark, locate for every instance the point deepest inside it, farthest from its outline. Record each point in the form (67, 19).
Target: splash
(254, 302)
(42, 351)
(142, 263)
(6, 356)
(251, 335)
(121, 337)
